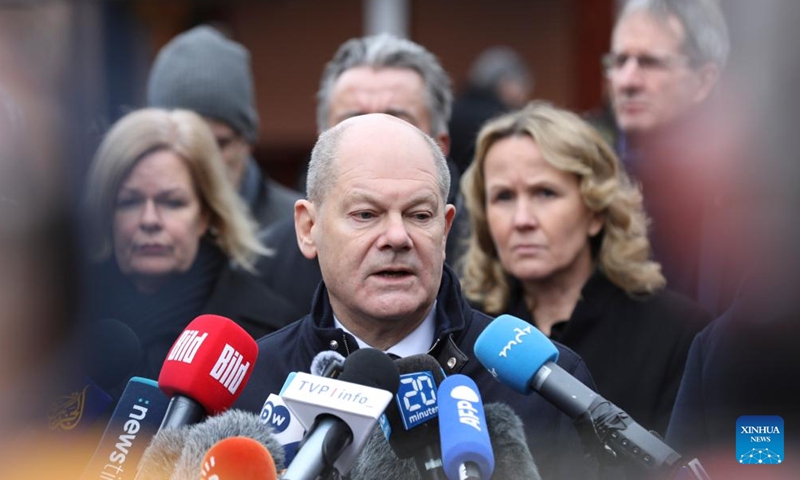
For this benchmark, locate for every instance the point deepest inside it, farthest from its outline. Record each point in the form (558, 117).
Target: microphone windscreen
(238, 458)
(411, 421)
(371, 368)
(462, 427)
(512, 457)
(159, 459)
(378, 461)
(327, 363)
(513, 351)
(109, 351)
(210, 363)
(232, 423)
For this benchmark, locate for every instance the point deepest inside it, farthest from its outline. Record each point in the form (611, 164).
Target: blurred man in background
(499, 81)
(202, 71)
(663, 70)
(375, 74)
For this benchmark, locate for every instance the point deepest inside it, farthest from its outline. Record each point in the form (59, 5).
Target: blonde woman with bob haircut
(559, 238)
(169, 237)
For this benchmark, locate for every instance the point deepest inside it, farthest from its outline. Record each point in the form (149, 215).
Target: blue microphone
(466, 447)
(134, 422)
(520, 356)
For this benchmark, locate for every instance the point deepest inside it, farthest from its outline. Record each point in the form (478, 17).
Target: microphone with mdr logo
(466, 448)
(520, 356)
(206, 369)
(338, 414)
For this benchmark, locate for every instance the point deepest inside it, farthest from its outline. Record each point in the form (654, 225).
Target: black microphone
(107, 352)
(338, 413)
(411, 422)
(520, 356)
(512, 456)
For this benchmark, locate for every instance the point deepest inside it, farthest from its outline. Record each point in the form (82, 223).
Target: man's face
(651, 80)
(399, 92)
(380, 232)
(233, 148)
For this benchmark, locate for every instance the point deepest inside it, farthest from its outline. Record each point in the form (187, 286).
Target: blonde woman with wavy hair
(169, 237)
(559, 238)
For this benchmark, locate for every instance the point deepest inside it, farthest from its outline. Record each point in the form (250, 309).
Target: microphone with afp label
(466, 448)
(520, 356)
(338, 414)
(206, 369)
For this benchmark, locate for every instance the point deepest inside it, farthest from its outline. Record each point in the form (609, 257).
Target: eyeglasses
(613, 62)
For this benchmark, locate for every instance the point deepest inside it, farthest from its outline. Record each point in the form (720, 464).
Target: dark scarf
(158, 319)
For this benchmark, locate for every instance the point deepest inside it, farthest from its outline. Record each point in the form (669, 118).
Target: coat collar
(452, 313)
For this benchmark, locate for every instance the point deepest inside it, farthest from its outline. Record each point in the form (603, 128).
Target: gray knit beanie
(202, 71)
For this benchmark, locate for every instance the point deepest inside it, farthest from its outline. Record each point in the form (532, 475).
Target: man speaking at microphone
(376, 218)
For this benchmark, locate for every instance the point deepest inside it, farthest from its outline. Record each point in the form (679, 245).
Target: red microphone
(206, 369)
(238, 458)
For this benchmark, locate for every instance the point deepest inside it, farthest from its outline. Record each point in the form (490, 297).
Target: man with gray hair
(663, 70)
(202, 71)
(666, 58)
(377, 218)
(373, 74)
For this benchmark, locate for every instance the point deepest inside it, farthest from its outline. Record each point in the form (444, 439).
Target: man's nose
(629, 75)
(395, 234)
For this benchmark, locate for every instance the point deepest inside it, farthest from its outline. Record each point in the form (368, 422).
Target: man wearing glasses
(666, 57)
(665, 62)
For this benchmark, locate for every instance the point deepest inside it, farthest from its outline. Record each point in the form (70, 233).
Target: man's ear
(305, 216)
(449, 215)
(707, 77)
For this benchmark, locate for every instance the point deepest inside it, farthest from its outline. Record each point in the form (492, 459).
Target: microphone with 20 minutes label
(238, 458)
(466, 448)
(520, 356)
(206, 369)
(338, 413)
(411, 422)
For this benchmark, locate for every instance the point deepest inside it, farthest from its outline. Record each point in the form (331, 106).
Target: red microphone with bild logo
(206, 369)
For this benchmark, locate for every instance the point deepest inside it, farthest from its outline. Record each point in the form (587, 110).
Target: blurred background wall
(102, 51)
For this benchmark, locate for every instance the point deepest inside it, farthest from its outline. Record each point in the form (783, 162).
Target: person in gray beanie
(203, 71)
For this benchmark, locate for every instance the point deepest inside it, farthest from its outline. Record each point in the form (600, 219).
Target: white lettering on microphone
(229, 369)
(520, 332)
(467, 412)
(187, 346)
